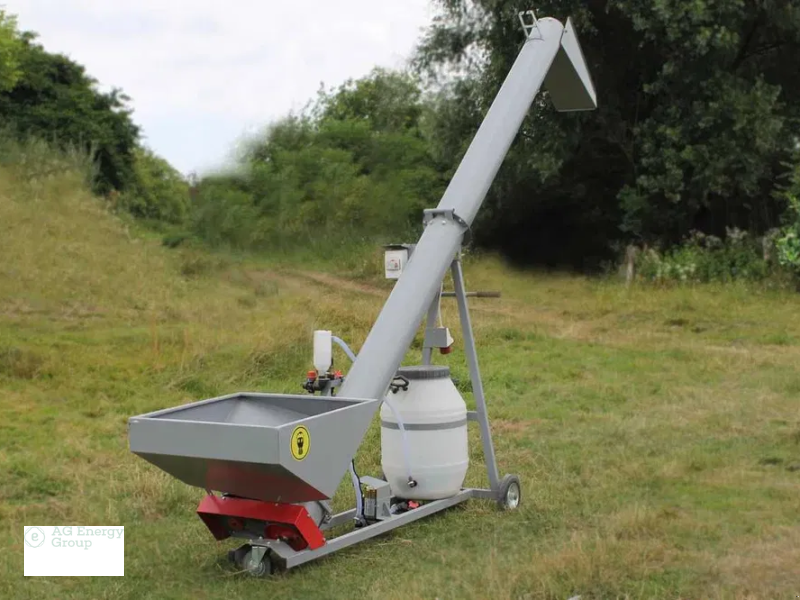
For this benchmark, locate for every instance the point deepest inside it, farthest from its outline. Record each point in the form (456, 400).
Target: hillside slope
(656, 431)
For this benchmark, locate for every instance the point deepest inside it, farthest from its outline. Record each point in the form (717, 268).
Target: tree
(55, 99)
(160, 192)
(696, 117)
(354, 164)
(386, 100)
(10, 48)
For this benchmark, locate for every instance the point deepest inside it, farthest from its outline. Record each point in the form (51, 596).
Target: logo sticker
(301, 443)
(74, 550)
(34, 537)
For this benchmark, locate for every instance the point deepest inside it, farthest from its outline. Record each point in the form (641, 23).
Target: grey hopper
(242, 444)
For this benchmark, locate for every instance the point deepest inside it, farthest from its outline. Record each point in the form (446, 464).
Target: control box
(396, 257)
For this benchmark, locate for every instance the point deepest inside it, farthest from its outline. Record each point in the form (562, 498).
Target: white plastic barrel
(435, 418)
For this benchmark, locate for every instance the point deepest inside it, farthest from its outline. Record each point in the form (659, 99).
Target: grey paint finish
(424, 372)
(425, 426)
(569, 83)
(241, 444)
(294, 559)
(475, 376)
(395, 327)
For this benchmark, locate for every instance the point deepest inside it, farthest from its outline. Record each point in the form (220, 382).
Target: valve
(311, 382)
(316, 382)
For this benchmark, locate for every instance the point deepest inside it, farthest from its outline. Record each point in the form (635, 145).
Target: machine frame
(248, 446)
(261, 556)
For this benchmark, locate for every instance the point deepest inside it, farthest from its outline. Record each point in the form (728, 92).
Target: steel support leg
(475, 375)
(433, 313)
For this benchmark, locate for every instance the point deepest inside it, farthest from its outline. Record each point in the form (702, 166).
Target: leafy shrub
(160, 192)
(173, 240)
(355, 167)
(54, 98)
(10, 50)
(788, 243)
(707, 258)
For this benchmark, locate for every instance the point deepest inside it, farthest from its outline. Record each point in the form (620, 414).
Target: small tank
(434, 416)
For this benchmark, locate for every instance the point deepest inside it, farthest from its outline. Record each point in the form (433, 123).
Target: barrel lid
(418, 372)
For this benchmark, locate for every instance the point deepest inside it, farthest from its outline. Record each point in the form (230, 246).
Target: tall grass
(34, 160)
(655, 430)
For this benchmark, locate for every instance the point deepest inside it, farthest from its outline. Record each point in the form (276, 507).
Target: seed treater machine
(270, 463)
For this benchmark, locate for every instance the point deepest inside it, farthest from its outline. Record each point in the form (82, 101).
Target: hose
(357, 487)
(343, 345)
(404, 436)
(439, 308)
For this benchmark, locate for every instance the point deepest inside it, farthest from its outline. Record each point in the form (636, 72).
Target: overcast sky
(201, 73)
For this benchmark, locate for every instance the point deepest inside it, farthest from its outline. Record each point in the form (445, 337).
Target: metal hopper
(275, 448)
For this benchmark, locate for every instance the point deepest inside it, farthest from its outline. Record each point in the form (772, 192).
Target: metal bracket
(531, 25)
(396, 387)
(429, 214)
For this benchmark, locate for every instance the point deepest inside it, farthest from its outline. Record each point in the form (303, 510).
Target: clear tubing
(403, 436)
(357, 489)
(343, 345)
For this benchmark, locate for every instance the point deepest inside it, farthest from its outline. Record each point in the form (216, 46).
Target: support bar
(474, 295)
(294, 558)
(475, 375)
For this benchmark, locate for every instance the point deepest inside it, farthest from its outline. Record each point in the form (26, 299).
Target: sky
(202, 74)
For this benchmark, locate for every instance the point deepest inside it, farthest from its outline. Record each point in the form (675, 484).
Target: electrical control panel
(396, 258)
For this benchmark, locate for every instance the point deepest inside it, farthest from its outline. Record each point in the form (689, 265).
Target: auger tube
(394, 329)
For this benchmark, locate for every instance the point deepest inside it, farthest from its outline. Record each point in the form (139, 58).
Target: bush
(355, 166)
(10, 50)
(160, 192)
(707, 258)
(788, 243)
(53, 98)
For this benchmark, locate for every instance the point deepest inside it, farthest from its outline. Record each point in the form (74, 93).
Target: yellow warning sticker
(301, 443)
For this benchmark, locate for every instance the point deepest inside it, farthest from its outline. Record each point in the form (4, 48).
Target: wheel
(263, 569)
(238, 556)
(510, 494)
(257, 563)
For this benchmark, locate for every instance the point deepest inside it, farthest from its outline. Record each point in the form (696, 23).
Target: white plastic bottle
(435, 419)
(323, 351)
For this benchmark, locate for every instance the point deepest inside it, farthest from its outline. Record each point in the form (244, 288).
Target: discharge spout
(393, 331)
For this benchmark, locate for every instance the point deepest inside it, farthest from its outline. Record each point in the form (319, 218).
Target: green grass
(656, 431)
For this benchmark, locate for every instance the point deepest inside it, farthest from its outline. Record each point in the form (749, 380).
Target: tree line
(696, 133)
(49, 97)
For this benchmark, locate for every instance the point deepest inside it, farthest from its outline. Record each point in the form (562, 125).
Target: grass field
(657, 431)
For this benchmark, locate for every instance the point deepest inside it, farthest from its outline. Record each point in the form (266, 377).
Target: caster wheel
(257, 564)
(237, 557)
(264, 569)
(510, 494)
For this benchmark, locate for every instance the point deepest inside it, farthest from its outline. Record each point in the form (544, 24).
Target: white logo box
(74, 550)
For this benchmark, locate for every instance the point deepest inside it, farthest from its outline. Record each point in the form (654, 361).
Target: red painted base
(286, 521)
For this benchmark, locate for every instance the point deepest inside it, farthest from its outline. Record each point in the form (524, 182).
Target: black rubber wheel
(262, 569)
(237, 557)
(510, 494)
